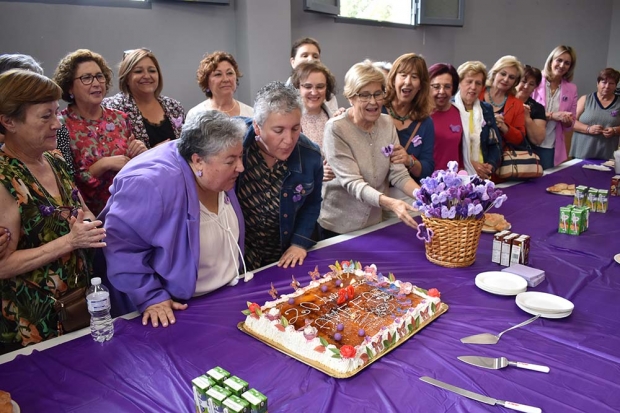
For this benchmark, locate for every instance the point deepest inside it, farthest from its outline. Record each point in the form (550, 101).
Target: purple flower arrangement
(448, 195)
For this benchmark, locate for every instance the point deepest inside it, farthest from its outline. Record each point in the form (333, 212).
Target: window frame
(420, 20)
(142, 4)
(316, 6)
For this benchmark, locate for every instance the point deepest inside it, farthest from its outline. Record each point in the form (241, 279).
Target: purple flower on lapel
(177, 122)
(110, 126)
(455, 128)
(45, 210)
(614, 113)
(564, 98)
(417, 141)
(387, 150)
(299, 189)
(483, 124)
(226, 199)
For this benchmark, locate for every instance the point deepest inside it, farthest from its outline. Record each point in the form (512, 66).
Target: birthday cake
(344, 319)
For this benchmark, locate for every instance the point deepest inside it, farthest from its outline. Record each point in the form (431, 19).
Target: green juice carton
(580, 195)
(257, 400)
(235, 404)
(575, 224)
(236, 385)
(585, 218)
(200, 385)
(218, 374)
(592, 199)
(564, 219)
(216, 396)
(603, 201)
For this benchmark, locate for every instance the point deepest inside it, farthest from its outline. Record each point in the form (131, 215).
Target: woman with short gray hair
(174, 224)
(280, 189)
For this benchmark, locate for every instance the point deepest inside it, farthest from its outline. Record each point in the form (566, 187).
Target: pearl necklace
(496, 105)
(229, 110)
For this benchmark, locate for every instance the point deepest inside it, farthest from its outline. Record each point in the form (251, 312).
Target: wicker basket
(454, 241)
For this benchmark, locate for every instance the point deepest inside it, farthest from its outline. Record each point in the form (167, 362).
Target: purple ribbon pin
(417, 141)
(455, 128)
(387, 150)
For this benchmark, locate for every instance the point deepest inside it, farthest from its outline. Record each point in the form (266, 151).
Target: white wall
(259, 32)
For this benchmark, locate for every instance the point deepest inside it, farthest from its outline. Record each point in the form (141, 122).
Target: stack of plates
(547, 305)
(501, 283)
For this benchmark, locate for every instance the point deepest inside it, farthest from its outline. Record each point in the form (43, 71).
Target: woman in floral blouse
(154, 118)
(42, 209)
(100, 138)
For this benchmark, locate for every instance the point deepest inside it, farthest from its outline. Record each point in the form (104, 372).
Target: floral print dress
(28, 314)
(91, 140)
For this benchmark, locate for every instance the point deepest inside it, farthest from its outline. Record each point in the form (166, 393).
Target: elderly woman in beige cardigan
(362, 147)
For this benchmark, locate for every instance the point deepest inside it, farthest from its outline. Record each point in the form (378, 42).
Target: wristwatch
(413, 161)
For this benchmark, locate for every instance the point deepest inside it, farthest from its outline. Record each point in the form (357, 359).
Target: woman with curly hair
(101, 141)
(154, 118)
(218, 77)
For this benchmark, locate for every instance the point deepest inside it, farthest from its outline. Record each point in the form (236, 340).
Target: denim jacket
(305, 168)
(490, 139)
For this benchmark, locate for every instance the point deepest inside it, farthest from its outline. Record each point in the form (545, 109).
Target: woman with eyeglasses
(218, 77)
(500, 91)
(49, 223)
(597, 127)
(154, 118)
(358, 146)
(101, 141)
(558, 95)
(444, 82)
(409, 104)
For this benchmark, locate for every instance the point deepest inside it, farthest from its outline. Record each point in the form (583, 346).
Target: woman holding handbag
(43, 210)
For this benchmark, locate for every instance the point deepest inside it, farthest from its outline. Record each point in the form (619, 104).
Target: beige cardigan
(363, 173)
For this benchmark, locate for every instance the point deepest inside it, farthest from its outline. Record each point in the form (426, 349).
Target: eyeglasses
(88, 79)
(309, 86)
(365, 96)
(126, 52)
(65, 212)
(437, 86)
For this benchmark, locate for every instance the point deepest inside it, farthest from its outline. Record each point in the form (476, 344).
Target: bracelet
(588, 129)
(412, 161)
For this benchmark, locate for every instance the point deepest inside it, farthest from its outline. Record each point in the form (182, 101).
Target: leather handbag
(519, 165)
(71, 308)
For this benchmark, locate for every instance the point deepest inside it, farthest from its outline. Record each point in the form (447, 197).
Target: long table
(145, 369)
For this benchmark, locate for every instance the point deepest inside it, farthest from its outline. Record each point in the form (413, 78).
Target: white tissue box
(533, 276)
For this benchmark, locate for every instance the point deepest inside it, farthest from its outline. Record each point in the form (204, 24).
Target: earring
(199, 173)
(257, 138)
(208, 90)
(71, 95)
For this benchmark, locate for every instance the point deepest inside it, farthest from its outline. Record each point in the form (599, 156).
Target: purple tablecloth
(145, 369)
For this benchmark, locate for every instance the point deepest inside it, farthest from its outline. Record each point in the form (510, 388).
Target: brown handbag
(71, 308)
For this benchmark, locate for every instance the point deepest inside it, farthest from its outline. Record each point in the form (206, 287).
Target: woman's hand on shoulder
(339, 112)
(5, 237)
(328, 173)
(85, 234)
(293, 255)
(135, 147)
(400, 155)
(162, 313)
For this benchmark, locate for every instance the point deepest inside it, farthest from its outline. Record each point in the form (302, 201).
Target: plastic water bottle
(98, 299)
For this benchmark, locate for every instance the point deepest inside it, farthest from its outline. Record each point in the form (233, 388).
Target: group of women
(180, 207)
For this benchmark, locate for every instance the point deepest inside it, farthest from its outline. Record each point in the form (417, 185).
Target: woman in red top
(100, 138)
(500, 92)
(446, 118)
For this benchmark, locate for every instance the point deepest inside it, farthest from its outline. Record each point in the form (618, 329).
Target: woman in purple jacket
(559, 97)
(173, 222)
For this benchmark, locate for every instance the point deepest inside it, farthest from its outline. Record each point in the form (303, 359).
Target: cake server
(481, 398)
(488, 338)
(500, 363)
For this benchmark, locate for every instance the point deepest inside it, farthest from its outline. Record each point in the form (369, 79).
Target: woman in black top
(535, 120)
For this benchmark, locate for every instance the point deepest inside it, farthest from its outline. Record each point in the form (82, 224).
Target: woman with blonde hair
(100, 138)
(500, 92)
(218, 77)
(481, 138)
(559, 97)
(154, 118)
(358, 145)
(43, 210)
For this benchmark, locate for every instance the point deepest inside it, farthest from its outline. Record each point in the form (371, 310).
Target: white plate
(502, 283)
(16, 408)
(617, 258)
(546, 303)
(544, 315)
(597, 167)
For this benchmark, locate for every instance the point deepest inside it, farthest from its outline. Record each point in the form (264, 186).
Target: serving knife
(479, 397)
(500, 363)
